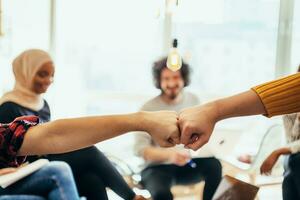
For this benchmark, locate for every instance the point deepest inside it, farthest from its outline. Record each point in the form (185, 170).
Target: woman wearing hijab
(93, 172)
(55, 180)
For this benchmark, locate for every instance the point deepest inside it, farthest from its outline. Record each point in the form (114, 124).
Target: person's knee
(21, 197)
(58, 169)
(217, 166)
(162, 194)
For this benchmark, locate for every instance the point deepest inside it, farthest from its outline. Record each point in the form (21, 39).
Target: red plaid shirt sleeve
(11, 139)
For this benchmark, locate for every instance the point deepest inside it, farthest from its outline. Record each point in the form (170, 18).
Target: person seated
(167, 167)
(54, 181)
(291, 182)
(93, 172)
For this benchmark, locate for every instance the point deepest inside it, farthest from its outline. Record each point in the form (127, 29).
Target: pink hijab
(25, 66)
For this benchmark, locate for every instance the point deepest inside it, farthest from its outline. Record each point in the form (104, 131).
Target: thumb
(195, 145)
(167, 143)
(186, 134)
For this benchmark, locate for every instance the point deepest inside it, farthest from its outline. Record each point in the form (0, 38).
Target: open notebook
(8, 179)
(235, 189)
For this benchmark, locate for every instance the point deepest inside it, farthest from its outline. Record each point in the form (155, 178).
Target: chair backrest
(272, 139)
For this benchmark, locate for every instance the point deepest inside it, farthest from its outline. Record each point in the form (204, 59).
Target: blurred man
(166, 167)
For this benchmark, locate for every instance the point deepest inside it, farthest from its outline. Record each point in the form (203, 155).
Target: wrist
(146, 121)
(157, 154)
(140, 120)
(214, 111)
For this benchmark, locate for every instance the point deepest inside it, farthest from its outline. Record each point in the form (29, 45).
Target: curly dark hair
(159, 65)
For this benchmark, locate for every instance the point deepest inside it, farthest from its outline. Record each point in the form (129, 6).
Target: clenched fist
(196, 125)
(162, 126)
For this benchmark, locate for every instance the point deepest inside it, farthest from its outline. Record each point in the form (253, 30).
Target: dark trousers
(93, 172)
(159, 179)
(291, 182)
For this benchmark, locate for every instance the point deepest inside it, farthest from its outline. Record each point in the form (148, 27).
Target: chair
(272, 139)
(130, 176)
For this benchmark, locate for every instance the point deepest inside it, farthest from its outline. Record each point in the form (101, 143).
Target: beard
(172, 93)
(172, 96)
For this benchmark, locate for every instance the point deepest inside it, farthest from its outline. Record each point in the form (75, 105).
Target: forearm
(70, 134)
(277, 97)
(283, 151)
(280, 96)
(156, 154)
(246, 103)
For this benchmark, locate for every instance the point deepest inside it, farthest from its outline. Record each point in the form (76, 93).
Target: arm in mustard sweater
(281, 96)
(273, 98)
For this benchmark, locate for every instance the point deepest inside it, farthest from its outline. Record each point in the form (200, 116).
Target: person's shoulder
(9, 107)
(192, 97)
(9, 111)
(190, 94)
(149, 104)
(9, 104)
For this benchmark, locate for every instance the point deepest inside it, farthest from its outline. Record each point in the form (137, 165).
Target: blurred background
(104, 50)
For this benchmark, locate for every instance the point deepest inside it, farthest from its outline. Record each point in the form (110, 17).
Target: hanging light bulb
(174, 60)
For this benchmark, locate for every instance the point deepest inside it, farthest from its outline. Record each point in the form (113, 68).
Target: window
(104, 54)
(25, 25)
(232, 47)
(103, 48)
(295, 60)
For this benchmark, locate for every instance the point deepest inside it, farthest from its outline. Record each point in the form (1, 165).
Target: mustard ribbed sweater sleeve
(281, 96)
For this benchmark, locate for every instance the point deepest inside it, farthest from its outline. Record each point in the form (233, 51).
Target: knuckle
(181, 121)
(194, 148)
(187, 127)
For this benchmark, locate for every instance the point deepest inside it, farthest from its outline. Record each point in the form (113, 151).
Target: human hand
(139, 197)
(245, 158)
(162, 126)
(179, 158)
(268, 164)
(196, 125)
(7, 170)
